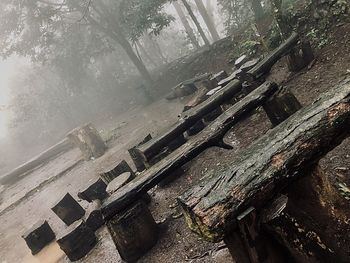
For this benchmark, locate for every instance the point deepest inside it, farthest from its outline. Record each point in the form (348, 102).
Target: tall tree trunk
(257, 10)
(114, 31)
(140, 47)
(134, 59)
(156, 49)
(208, 20)
(195, 20)
(281, 20)
(186, 25)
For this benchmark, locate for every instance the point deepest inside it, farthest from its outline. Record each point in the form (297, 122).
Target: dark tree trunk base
(39, 236)
(133, 231)
(89, 141)
(68, 210)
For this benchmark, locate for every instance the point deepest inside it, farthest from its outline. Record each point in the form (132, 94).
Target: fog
(42, 98)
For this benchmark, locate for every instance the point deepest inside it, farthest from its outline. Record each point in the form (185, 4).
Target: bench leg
(133, 231)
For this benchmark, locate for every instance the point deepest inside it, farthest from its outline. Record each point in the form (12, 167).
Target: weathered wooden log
(211, 136)
(19, 172)
(136, 158)
(39, 236)
(133, 231)
(281, 106)
(273, 161)
(153, 147)
(188, 119)
(77, 241)
(96, 191)
(68, 210)
(265, 65)
(88, 140)
(114, 171)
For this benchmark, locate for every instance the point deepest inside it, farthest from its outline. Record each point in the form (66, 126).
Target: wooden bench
(189, 118)
(212, 135)
(228, 200)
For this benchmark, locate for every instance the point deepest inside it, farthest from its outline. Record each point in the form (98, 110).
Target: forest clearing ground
(177, 243)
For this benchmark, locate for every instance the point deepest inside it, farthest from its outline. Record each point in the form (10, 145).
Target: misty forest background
(91, 60)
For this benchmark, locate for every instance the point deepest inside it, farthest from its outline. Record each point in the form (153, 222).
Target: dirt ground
(177, 243)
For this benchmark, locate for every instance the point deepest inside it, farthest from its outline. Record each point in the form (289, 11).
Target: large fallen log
(268, 165)
(187, 120)
(212, 135)
(265, 65)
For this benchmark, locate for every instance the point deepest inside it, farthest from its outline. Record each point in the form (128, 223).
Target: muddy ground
(177, 243)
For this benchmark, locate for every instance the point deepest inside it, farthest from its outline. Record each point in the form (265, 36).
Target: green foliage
(139, 16)
(344, 191)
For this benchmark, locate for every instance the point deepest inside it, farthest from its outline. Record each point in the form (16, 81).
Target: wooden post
(77, 241)
(113, 172)
(88, 140)
(133, 231)
(281, 106)
(39, 236)
(136, 157)
(94, 218)
(68, 210)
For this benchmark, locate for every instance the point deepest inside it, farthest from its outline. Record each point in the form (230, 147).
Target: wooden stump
(68, 210)
(300, 57)
(114, 171)
(119, 182)
(135, 155)
(88, 140)
(94, 219)
(281, 107)
(133, 231)
(39, 236)
(77, 241)
(96, 191)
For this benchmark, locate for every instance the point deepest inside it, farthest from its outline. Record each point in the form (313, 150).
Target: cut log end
(133, 231)
(68, 210)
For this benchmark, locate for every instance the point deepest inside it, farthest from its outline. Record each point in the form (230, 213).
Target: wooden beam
(265, 167)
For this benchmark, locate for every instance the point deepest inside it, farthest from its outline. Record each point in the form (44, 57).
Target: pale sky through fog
(8, 70)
